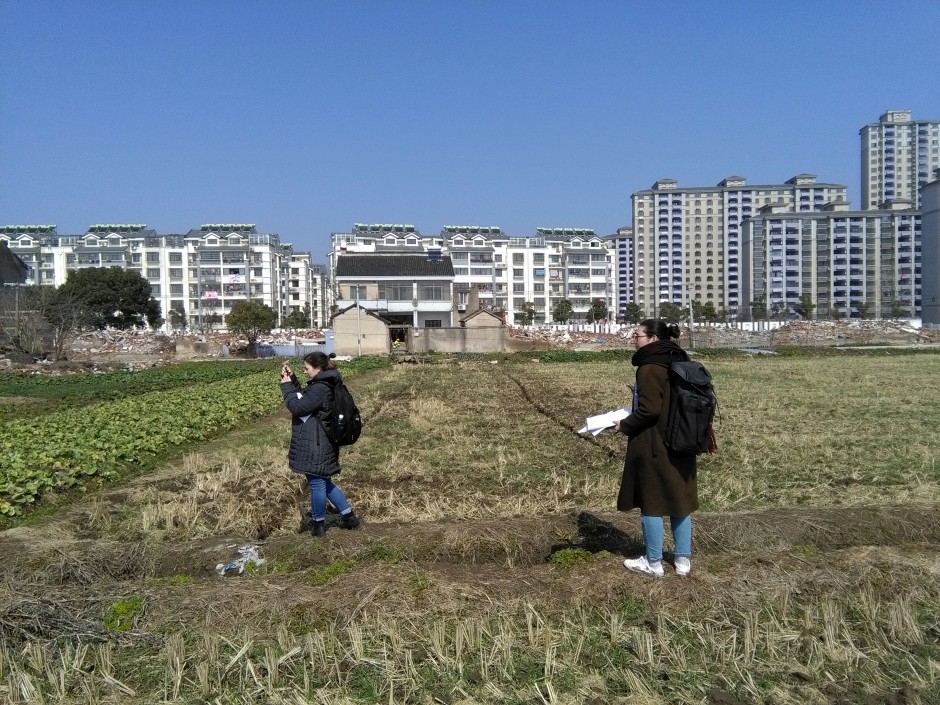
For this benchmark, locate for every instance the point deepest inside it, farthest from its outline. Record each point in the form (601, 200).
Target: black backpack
(343, 424)
(692, 406)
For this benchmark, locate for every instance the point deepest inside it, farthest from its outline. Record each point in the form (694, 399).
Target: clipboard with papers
(601, 422)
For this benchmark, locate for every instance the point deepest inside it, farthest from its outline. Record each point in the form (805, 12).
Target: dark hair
(319, 360)
(659, 328)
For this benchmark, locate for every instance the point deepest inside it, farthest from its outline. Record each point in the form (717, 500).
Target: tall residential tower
(899, 156)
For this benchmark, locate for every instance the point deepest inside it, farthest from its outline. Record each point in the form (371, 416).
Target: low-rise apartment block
(200, 274)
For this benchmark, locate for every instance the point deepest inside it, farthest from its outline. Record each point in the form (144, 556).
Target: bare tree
(22, 326)
(67, 314)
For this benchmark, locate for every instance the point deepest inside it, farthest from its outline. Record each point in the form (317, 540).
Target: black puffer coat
(655, 480)
(311, 451)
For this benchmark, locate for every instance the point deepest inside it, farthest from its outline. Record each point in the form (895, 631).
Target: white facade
(687, 241)
(899, 155)
(850, 263)
(201, 274)
(499, 271)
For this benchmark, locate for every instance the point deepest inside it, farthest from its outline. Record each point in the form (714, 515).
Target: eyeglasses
(637, 336)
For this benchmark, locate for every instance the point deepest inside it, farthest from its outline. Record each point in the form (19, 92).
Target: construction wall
(360, 334)
(459, 340)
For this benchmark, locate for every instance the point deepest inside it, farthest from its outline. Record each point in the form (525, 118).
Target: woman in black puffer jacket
(656, 480)
(311, 452)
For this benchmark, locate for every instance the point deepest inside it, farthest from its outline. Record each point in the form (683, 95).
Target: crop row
(116, 384)
(80, 446)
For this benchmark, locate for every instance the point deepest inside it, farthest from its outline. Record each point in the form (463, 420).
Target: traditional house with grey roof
(415, 290)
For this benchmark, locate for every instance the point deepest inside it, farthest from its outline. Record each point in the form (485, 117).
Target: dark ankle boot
(317, 528)
(305, 522)
(349, 521)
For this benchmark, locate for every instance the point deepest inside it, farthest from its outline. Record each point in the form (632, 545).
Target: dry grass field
(488, 569)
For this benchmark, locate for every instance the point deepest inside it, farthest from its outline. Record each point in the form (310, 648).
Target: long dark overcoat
(655, 480)
(311, 451)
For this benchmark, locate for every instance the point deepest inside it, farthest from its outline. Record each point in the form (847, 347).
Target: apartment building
(624, 284)
(899, 155)
(494, 270)
(850, 263)
(200, 274)
(930, 256)
(687, 241)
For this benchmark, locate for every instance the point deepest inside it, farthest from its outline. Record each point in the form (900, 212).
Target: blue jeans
(321, 489)
(653, 535)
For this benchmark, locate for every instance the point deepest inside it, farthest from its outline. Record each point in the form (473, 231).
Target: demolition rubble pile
(105, 343)
(728, 336)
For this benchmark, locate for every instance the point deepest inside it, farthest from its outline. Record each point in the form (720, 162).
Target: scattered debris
(247, 553)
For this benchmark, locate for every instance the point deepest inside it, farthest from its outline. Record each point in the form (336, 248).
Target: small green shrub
(121, 615)
(384, 554)
(570, 557)
(321, 576)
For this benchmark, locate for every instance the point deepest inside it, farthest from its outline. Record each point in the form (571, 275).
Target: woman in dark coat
(656, 480)
(311, 452)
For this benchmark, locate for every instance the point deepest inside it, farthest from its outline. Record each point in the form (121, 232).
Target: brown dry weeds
(827, 602)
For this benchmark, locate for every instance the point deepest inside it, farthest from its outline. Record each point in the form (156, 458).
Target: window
(176, 289)
(518, 273)
(257, 272)
(434, 323)
(357, 291)
(176, 273)
(518, 258)
(396, 292)
(518, 288)
(153, 258)
(153, 273)
(176, 258)
(432, 292)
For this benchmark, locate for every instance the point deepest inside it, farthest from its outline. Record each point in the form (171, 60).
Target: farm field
(488, 569)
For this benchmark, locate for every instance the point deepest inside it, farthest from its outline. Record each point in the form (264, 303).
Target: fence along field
(481, 574)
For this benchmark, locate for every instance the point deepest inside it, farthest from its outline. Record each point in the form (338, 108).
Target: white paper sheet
(595, 424)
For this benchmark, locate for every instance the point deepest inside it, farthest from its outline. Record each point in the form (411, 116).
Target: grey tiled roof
(392, 266)
(13, 270)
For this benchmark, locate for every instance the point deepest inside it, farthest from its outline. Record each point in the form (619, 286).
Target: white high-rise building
(687, 241)
(899, 156)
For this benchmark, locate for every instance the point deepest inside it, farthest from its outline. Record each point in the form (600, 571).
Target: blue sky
(307, 117)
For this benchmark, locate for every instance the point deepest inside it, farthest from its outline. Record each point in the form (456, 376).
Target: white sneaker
(683, 565)
(641, 565)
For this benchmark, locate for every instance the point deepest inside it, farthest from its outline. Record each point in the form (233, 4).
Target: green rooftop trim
(228, 226)
(384, 227)
(116, 227)
(581, 232)
(474, 229)
(26, 228)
